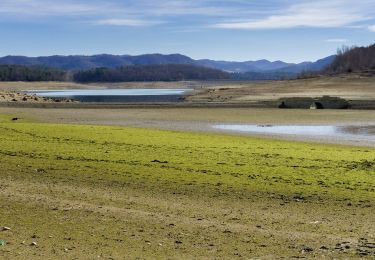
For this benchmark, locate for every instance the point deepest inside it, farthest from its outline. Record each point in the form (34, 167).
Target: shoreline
(67, 104)
(202, 119)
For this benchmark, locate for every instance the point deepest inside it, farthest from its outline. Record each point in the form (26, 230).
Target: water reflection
(108, 92)
(115, 95)
(346, 132)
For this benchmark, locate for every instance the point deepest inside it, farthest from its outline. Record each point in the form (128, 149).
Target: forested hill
(169, 72)
(355, 59)
(79, 62)
(31, 73)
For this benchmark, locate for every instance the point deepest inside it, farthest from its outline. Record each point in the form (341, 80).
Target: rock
(24, 99)
(14, 119)
(34, 244)
(157, 161)
(369, 245)
(6, 228)
(298, 198)
(2, 243)
(40, 170)
(306, 249)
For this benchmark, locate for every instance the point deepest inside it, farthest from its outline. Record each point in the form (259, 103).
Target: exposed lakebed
(115, 95)
(354, 133)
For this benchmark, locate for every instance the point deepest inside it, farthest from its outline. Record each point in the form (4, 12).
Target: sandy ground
(160, 222)
(22, 98)
(202, 119)
(353, 87)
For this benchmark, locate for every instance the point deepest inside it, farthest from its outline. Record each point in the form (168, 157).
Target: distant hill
(96, 61)
(264, 75)
(309, 66)
(115, 61)
(355, 59)
(246, 66)
(172, 72)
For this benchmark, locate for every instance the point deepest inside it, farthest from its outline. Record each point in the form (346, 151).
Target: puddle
(347, 133)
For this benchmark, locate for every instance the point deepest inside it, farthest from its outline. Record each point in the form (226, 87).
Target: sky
(232, 30)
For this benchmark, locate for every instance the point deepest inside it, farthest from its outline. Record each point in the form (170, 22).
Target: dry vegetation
(350, 87)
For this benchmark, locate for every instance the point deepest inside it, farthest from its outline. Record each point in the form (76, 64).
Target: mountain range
(79, 62)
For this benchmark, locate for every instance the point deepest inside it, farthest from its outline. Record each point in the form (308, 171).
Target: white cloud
(318, 14)
(337, 40)
(229, 14)
(372, 28)
(48, 8)
(125, 22)
(144, 8)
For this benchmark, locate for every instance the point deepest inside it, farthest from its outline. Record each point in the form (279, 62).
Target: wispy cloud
(145, 8)
(372, 28)
(227, 14)
(318, 14)
(49, 8)
(126, 22)
(337, 40)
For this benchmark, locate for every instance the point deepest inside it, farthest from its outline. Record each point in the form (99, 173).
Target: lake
(115, 95)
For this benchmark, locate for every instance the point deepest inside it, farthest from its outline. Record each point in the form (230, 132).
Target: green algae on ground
(117, 154)
(84, 192)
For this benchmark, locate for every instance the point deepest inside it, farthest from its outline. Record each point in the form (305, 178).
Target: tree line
(348, 60)
(172, 72)
(31, 73)
(353, 59)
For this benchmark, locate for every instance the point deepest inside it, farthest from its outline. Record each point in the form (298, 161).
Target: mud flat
(202, 119)
(341, 134)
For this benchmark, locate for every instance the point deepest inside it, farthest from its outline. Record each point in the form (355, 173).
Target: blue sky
(238, 30)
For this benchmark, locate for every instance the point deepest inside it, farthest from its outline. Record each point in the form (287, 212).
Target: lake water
(115, 95)
(346, 133)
